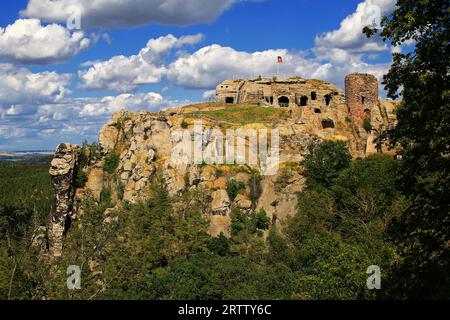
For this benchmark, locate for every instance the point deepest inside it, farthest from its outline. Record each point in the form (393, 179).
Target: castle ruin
(296, 94)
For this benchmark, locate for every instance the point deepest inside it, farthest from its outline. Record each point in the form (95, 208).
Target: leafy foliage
(184, 124)
(339, 231)
(420, 76)
(26, 186)
(325, 161)
(159, 248)
(111, 162)
(233, 188)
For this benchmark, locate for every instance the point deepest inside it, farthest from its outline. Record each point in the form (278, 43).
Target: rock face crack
(63, 171)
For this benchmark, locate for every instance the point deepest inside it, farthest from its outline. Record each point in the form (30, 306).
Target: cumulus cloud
(35, 109)
(336, 54)
(210, 65)
(125, 13)
(134, 102)
(28, 41)
(209, 95)
(349, 36)
(21, 86)
(124, 74)
(37, 126)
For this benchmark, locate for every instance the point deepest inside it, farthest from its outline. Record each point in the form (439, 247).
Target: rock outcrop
(142, 146)
(63, 171)
(220, 204)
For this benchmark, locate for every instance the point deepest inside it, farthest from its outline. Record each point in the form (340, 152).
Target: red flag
(280, 60)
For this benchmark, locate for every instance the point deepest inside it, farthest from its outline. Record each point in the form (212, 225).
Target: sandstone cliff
(134, 147)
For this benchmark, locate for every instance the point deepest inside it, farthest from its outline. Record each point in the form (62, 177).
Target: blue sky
(50, 95)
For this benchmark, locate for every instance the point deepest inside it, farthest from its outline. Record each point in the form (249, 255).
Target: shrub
(80, 178)
(184, 124)
(367, 125)
(233, 188)
(120, 189)
(261, 221)
(219, 173)
(106, 198)
(282, 180)
(111, 162)
(219, 245)
(238, 221)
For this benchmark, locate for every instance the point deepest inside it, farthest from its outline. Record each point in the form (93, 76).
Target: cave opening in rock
(303, 101)
(313, 95)
(283, 102)
(328, 124)
(229, 100)
(328, 99)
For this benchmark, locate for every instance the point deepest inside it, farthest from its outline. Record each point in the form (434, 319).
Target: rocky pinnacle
(63, 170)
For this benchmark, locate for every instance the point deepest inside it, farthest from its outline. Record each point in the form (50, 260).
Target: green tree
(367, 196)
(219, 245)
(420, 76)
(324, 162)
(341, 230)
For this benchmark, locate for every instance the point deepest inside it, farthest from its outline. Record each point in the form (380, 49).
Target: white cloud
(212, 64)
(70, 119)
(150, 101)
(35, 110)
(209, 95)
(124, 13)
(124, 74)
(21, 86)
(349, 36)
(336, 54)
(27, 41)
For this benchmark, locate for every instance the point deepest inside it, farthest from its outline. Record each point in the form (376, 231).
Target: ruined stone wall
(361, 92)
(283, 92)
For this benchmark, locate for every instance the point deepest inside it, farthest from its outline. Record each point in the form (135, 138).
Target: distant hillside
(33, 156)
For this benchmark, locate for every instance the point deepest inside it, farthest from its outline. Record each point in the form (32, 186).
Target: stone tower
(361, 93)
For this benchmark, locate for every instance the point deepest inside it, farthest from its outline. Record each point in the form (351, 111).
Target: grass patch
(244, 114)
